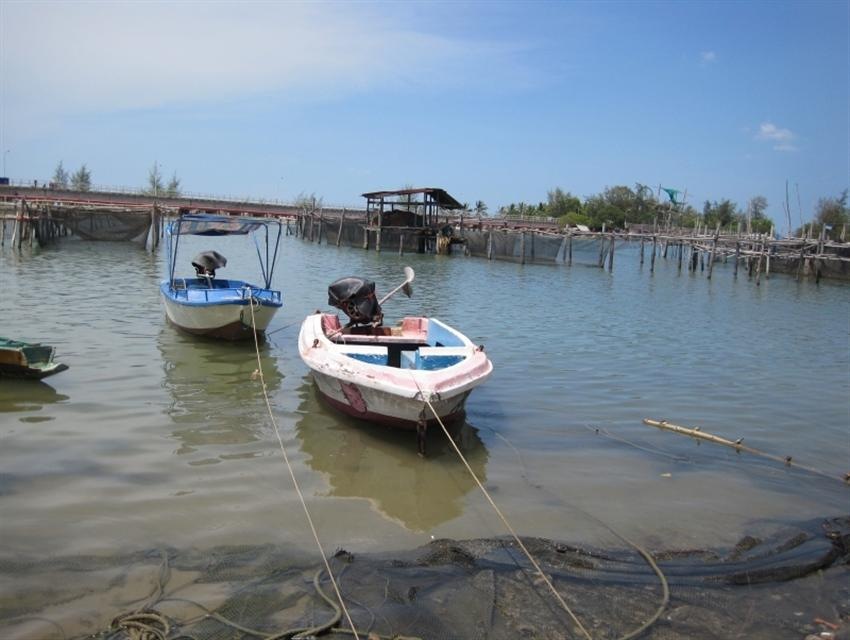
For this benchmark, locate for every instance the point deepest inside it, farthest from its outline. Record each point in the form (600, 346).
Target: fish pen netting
(774, 588)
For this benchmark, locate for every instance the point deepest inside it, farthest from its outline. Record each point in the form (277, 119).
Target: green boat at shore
(27, 360)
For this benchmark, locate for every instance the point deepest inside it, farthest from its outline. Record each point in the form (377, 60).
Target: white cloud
(708, 57)
(79, 57)
(783, 138)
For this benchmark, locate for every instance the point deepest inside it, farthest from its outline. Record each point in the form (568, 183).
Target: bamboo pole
(697, 434)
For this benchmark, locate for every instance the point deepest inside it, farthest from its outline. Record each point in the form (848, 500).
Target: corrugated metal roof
(440, 196)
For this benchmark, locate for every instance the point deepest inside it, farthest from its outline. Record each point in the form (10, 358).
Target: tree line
(621, 206)
(80, 180)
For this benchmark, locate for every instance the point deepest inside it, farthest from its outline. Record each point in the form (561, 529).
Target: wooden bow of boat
(27, 360)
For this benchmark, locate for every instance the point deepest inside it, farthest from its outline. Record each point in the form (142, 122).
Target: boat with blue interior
(409, 375)
(215, 307)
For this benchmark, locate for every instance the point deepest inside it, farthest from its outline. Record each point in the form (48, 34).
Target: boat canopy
(200, 224)
(204, 224)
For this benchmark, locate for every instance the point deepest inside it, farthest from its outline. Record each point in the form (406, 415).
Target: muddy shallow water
(156, 440)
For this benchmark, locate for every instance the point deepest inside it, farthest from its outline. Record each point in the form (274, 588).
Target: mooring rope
(665, 586)
(427, 400)
(292, 475)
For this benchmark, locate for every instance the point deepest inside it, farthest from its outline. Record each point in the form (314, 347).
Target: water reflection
(380, 464)
(216, 395)
(27, 396)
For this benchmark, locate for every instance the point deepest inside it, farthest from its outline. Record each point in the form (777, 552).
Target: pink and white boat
(400, 375)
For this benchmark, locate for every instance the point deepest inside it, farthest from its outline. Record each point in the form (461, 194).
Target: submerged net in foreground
(785, 586)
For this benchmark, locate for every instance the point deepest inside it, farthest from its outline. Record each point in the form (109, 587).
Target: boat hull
(26, 360)
(399, 396)
(226, 315)
(373, 405)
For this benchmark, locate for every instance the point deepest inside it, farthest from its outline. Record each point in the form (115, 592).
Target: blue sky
(493, 101)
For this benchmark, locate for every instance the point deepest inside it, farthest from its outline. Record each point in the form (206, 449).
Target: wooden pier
(694, 250)
(30, 215)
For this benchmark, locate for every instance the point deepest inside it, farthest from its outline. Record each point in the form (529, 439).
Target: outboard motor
(356, 298)
(207, 262)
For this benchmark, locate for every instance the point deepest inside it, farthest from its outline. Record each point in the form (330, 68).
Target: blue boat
(218, 307)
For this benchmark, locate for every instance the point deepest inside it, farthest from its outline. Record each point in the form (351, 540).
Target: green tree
(310, 202)
(724, 212)
(155, 185)
(480, 208)
(758, 222)
(173, 187)
(832, 212)
(81, 180)
(560, 203)
(60, 177)
(644, 206)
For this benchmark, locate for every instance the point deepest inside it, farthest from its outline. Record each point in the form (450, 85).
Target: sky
(493, 101)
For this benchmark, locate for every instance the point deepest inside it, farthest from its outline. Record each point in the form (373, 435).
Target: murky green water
(153, 438)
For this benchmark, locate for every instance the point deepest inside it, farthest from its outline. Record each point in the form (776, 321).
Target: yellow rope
(507, 524)
(292, 475)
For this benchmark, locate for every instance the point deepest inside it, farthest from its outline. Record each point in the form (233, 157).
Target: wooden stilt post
(339, 232)
(652, 259)
(522, 247)
(642, 242)
(758, 265)
(321, 225)
(737, 257)
(713, 250)
(679, 257)
(490, 245)
(570, 249)
(401, 243)
(602, 247)
(767, 260)
(366, 236)
(611, 254)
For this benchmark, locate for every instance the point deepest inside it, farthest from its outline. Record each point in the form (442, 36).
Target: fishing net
(103, 224)
(782, 586)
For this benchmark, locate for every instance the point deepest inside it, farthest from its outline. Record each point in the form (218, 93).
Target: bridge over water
(145, 201)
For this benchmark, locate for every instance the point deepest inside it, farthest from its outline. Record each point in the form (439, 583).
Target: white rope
(427, 399)
(292, 475)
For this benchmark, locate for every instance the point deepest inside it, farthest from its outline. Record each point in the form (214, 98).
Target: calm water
(155, 438)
